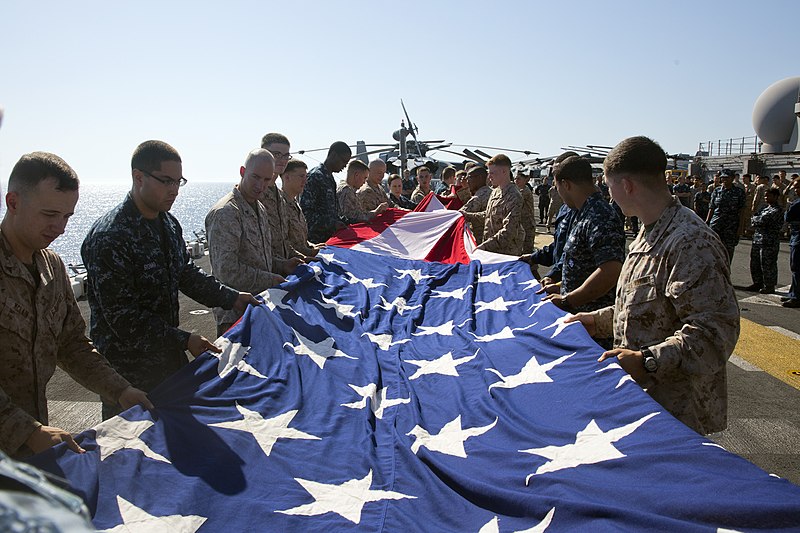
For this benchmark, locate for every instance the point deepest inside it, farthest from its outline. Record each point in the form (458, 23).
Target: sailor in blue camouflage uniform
(767, 225)
(723, 212)
(595, 247)
(792, 218)
(551, 255)
(136, 261)
(318, 201)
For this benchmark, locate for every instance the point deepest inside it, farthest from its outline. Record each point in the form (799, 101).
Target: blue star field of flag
(378, 394)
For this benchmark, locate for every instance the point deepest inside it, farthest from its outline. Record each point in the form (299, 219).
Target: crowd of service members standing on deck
(666, 310)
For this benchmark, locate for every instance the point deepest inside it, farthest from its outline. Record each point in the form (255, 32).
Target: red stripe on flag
(452, 203)
(450, 247)
(422, 206)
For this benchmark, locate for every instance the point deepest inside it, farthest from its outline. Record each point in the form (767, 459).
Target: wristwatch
(649, 360)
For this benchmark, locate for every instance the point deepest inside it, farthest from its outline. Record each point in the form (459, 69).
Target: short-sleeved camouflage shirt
(596, 236)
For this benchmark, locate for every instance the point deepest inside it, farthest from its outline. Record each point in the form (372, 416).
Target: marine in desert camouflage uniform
(40, 324)
(294, 179)
(284, 257)
(502, 229)
(349, 207)
(675, 320)
(239, 235)
(462, 188)
(528, 214)
(371, 194)
(423, 184)
(475, 207)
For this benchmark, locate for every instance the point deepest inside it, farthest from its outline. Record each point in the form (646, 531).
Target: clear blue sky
(90, 80)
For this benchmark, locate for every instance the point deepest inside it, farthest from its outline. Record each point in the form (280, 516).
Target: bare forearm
(599, 282)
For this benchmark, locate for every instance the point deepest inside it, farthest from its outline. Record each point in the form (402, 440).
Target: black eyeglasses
(169, 182)
(279, 155)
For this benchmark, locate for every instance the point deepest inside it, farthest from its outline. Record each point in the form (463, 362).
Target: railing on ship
(732, 146)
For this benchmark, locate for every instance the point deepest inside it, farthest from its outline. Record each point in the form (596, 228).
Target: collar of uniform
(593, 198)
(239, 199)
(137, 220)
(664, 221)
(509, 187)
(285, 196)
(323, 169)
(11, 266)
(132, 211)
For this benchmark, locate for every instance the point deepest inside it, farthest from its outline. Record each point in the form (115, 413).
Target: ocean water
(190, 208)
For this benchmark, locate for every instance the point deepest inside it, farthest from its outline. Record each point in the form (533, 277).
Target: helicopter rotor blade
(451, 152)
(431, 148)
(482, 154)
(526, 152)
(601, 147)
(301, 152)
(412, 128)
(472, 155)
(376, 151)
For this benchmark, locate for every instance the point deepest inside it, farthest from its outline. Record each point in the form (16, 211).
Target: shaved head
(377, 163)
(256, 157)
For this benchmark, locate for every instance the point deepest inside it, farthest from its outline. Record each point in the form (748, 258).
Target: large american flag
(379, 391)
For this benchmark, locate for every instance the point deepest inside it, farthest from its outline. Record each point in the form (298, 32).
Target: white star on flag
(493, 526)
(536, 307)
(379, 399)
(118, 434)
(444, 365)
(135, 520)
(398, 303)
(347, 500)
(498, 304)
(530, 284)
(625, 377)
(329, 258)
(319, 352)
(385, 403)
(494, 277)
(384, 340)
(592, 445)
(273, 298)
(449, 440)
(532, 372)
(318, 273)
(505, 333)
(457, 294)
(366, 392)
(560, 325)
(342, 310)
(443, 329)
(232, 356)
(368, 282)
(266, 431)
(416, 275)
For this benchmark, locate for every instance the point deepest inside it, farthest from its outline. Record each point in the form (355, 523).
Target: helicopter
(409, 152)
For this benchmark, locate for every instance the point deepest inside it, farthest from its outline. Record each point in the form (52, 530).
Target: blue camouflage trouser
(794, 265)
(764, 264)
